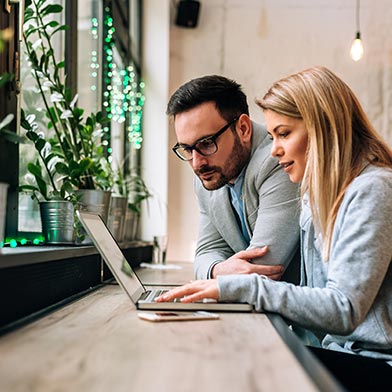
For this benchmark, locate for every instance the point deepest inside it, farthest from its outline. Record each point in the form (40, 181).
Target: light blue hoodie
(346, 301)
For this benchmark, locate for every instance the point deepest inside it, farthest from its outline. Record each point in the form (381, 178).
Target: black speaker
(188, 13)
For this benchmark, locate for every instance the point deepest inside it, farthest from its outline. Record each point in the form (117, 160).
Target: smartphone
(177, 316)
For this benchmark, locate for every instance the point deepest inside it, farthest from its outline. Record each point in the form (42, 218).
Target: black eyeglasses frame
(209, 138)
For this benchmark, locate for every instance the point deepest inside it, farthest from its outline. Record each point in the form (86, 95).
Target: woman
(323, 139)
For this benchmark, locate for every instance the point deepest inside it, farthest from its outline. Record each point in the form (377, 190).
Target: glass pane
(134, 23)
(118, 110)
(90, 55)
(33, 104)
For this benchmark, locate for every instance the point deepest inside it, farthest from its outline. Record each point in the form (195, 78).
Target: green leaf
(78, 113)
(67, 186)
(61, 28)
(51, 9)
(85, 164)
(28, 14)
(48, 158)
(52, 23)
(32, 135)
(34, 169)
(40, 3)
(40, 144)
(62, 168)
(28, 188)
(6, 78)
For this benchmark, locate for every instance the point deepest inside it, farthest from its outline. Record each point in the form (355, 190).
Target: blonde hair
(341, 140)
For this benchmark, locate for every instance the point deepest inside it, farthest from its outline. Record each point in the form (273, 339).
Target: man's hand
(241, 263)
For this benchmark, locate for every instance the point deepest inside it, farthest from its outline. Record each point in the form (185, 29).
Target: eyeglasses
(206, 146)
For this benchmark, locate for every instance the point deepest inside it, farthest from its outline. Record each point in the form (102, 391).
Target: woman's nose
(276, 150)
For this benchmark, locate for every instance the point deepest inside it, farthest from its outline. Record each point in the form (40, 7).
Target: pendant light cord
(357, 16)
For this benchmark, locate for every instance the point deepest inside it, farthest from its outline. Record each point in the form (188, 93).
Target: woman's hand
(194, 291)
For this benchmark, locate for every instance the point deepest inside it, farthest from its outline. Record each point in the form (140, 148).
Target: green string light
(123, 98)
(15, 242)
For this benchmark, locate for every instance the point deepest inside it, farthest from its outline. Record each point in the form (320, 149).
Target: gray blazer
(271, 208)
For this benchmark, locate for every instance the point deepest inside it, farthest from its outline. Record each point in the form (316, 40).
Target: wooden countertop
(99, 344)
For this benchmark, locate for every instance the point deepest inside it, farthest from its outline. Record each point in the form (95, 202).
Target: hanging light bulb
(356, 50)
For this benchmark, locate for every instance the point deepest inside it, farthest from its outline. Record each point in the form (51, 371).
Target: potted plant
(53, 191)
(136, 192)
(73, 158)
(118, 206)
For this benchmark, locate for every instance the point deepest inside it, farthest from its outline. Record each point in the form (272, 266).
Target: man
(246, 200)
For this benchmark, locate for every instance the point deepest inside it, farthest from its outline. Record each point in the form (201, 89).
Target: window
(35, 280)
(104, 70)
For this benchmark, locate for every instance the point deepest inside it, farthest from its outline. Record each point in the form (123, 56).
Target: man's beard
(236, 161)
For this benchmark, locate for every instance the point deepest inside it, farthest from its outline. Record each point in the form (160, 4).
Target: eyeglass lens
(204, 147)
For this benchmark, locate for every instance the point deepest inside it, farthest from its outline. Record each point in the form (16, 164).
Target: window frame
(9, 152)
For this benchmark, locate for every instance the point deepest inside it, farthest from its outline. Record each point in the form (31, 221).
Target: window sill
(27, 255)
(35, 280)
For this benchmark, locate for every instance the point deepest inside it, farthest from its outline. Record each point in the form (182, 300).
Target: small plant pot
(96, 201)
(130, 225)
(116, 217)
(57, 218)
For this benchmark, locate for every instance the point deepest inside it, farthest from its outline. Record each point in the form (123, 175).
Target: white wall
(155, 49)
(256, 42)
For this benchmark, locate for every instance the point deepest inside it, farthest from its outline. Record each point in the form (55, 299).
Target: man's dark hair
(227, 95)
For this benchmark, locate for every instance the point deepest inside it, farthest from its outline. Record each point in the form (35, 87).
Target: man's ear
(244, 128)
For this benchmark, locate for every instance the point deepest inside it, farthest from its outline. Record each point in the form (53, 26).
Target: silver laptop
(129, 281)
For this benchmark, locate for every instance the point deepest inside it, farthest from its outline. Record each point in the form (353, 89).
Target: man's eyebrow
(197, 141)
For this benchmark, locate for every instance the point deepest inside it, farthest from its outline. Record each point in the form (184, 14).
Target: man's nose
(198, 159)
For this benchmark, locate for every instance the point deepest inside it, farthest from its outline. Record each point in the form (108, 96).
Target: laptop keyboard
(150, 295)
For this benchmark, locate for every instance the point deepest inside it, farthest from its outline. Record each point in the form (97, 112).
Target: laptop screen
(112, 254)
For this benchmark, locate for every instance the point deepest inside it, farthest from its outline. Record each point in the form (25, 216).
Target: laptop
(128, 279)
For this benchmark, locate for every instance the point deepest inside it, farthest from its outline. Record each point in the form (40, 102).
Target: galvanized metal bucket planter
(96, 201)
(116, 217)
(57, 218)
(3, 210)
(131, 224)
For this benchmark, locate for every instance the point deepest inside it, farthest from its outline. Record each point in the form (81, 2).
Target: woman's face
(290, 141)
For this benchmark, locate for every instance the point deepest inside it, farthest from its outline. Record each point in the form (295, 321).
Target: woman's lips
(287, 165)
